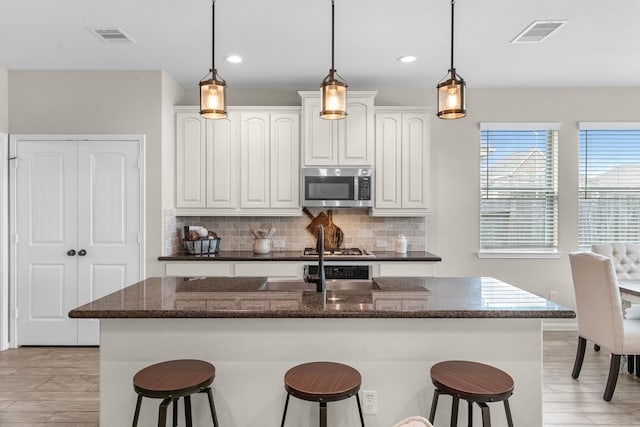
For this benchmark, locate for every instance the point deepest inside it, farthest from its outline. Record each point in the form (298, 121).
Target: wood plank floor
(58, 386)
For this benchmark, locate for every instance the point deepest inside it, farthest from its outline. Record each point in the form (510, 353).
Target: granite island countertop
(297, 256)
(391, 297)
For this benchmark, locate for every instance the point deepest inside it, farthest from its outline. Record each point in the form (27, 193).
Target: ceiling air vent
(112, 35)
(538, 31)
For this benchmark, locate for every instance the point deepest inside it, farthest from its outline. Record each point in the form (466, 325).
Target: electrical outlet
(278, 244)
(381, 243)
(370, 402)
(553, 296)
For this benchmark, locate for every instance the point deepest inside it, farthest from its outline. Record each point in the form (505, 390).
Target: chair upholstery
(625, 256)
(599, 310)
(414, 422)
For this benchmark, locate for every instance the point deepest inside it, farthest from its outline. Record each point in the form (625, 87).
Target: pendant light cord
(213, 37)
(452, 4)
(332, 34)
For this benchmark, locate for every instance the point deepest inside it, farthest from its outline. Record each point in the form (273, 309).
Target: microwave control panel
(364, 188)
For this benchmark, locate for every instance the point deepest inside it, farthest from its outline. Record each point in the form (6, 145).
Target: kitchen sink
(332, 285)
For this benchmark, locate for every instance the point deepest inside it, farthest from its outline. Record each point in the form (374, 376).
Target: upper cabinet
(346, 142)
(402, 161)
(246, 164)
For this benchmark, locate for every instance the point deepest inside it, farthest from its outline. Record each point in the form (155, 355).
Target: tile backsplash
(360, 230)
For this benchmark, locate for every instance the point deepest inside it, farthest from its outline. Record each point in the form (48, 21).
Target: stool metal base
(162, 409)
(484, 408)
(323, 411)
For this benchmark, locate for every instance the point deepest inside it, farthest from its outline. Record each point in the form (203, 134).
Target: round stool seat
(174, 378)
(472, 381)
(322, 381)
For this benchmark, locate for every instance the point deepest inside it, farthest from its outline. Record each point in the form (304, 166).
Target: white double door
(78, 224)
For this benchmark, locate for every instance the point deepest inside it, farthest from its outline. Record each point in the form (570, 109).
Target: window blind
(519, 188)
(609, 189)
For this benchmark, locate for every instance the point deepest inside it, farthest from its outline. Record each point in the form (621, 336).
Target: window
(609, 189)
(519, 187)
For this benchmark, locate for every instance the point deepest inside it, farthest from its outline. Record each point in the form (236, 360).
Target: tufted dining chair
(625, 257)
(600, 316)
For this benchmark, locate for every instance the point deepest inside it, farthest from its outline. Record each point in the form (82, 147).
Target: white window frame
(519, 253)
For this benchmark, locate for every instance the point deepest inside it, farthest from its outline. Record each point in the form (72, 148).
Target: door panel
(109, 220)
(46, 291)
(46, 226)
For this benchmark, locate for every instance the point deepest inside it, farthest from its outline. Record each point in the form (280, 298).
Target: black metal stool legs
(360, 410)
(162, 413)
(486, 416)
(136, 414)
(175, 413)
(286, 405)
(470, 413)
(434, 404)
(212, 406)
(187, 411)
(507, 410)
(454, 411)
(323, 414)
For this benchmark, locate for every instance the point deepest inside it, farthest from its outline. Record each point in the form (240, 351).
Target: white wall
(98, 102)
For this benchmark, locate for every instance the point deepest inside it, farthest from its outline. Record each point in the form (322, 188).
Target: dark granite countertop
(297, 256)
(391, 297)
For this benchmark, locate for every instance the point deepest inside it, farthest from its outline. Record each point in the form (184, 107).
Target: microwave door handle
(356, 193)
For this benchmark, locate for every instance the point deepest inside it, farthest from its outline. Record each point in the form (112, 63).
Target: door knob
(82, 252)
(71, 252)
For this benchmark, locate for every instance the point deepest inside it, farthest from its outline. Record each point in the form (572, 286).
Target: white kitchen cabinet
(270, 165)
(346, 142)
(402, 162)
(206, 161)
(191, 142)
(247, 164)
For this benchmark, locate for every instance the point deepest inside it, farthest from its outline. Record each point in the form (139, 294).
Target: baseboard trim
(548, 325)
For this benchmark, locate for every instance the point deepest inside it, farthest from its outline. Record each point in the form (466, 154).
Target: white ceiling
(286, 43)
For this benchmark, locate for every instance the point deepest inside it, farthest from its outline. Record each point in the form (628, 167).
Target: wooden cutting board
(333, 235)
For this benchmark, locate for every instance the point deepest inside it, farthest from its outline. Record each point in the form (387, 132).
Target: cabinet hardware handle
(82, 252)
(71, 252)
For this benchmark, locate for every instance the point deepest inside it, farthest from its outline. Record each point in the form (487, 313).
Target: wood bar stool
(172, 380)
(322, 382)
(473, 382)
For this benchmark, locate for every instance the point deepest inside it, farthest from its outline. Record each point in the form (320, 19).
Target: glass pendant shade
(451, 98)
(213, 102)
(333, 95)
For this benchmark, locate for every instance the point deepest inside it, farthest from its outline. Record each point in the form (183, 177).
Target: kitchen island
(254, 331)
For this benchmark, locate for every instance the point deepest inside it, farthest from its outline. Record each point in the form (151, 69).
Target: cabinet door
(222, 163)
(320, 136)
(190, 160)
(356, 133)
(285, 163)
(415, 160)
(254, 160)
(388, 160)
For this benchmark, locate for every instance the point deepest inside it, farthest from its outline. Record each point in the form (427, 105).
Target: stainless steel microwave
(337, 187)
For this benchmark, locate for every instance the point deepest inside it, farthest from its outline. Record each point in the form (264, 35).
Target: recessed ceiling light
(407, 59)
(234, 59)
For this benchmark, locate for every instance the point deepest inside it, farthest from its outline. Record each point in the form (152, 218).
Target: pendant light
(451, 92)
(213, 103)
(333, 90)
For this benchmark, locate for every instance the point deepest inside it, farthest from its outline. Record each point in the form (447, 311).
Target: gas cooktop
(339, 252)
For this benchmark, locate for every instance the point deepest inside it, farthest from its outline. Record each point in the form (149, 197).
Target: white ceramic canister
(401, 244)
(261, 246)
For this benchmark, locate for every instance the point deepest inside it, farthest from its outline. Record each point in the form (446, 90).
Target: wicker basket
(204, 246)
